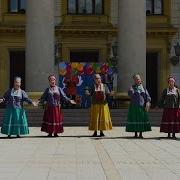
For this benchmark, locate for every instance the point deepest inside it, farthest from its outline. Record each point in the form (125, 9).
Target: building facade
(36, 35)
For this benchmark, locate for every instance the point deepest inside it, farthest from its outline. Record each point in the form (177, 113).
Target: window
(154, 7)
(88, 7)
(17, 6)
(82, 55)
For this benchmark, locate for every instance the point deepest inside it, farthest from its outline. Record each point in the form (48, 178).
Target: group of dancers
(15, 120)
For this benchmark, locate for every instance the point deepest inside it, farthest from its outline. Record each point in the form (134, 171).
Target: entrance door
(84, 56)
(152, 76)
(17, 66)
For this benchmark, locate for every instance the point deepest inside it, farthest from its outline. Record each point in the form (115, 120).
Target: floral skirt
(52, 120)
(15, 122)
(170, 120)
(138, 119)
(100, 118)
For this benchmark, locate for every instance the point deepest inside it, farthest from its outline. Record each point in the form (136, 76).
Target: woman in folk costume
(15, 120)
(100, 118)
(138, 120)
(170, 101)
(53, 117)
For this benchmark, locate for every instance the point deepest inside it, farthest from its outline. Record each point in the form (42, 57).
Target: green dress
(15, 120)
(138, 119)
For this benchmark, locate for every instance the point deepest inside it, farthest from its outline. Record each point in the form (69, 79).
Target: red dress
(53, 117)
(170, 101)
(170, 120)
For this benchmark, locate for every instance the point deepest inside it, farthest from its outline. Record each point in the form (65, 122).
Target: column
(57, 20)
(39, 44)
(132, 42)
(4, 70)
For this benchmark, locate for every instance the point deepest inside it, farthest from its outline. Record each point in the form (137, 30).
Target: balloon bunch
(76, 68)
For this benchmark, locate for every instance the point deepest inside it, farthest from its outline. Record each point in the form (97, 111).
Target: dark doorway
(84, 56)
(17, 66)
(152, 76)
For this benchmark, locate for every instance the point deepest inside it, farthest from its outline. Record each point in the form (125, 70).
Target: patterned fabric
(172, 91)
(52, 120)
(100, 118)
(100, 97)
(138, 120)
(52, 96)
(14, 98)
(99, 94)
(170, 120)
(15, 122)
(139, 96)
(170, 99)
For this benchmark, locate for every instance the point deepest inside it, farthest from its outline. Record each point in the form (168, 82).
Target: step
(80, 117)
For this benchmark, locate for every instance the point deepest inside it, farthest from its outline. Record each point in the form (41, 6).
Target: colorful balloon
(62, 72)
(69, 69)
(74, 72)
(95, 66)
(90, 70)
(62, 65)
(81, 72)
(98, 70)
(80, 67)
(110, 71)
(104, 68)
(110, 64)
(74, 65)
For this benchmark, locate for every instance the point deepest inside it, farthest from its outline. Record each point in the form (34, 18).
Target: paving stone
(75, 155)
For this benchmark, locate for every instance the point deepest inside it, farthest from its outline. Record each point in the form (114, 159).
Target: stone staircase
(80, 117)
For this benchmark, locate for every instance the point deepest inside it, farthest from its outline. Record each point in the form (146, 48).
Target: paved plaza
(77, 156)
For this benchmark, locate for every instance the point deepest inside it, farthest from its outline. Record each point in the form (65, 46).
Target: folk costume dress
(170, 101)
(15, 120)
(138, 120)
(53, 117)
(100, 118)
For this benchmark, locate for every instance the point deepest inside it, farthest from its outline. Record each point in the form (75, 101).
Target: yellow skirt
(100, 117)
